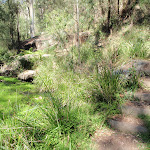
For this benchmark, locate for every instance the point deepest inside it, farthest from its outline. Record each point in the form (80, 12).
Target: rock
(9, 73)
(46, 55)
(126, 127)
(38, 98)
(142, 96)
(127, 124)
(108, 139)
(10, 69)
(141, 67)
(139, 95)
(136, 109)
(28, 56)
(38, 42)
(27, 75)
(145, 83)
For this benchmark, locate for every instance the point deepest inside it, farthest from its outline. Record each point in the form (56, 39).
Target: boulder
(38, 42)
(108, 139)
(145, 83)
(27, 75)
(142, 96)
(136, 108)
(10, 69)
(142, 67)
(127, 124)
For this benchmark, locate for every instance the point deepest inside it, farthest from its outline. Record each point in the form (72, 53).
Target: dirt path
(126, 128)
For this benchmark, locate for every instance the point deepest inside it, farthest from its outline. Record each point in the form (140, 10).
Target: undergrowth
(75, 99)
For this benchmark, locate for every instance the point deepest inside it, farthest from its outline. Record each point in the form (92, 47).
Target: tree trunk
(108, 16)
(32, 19)
(118, 6)
(128, 8)
(31, 14)
(11, 29)
(102, 7)
(77, 29)
(18, 31)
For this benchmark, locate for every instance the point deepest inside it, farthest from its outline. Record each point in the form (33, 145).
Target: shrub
(6, 55)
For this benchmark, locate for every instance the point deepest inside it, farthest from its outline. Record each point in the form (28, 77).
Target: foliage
(58, 22)
(67, 101)
(8, 23)
(6, 55)
(48, 123)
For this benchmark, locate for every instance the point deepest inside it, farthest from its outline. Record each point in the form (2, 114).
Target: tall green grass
(133, 43)
(75, 99)
(16, 97)
(14, 94)
(110, 84)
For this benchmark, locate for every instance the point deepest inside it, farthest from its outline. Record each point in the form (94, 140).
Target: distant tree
(31, 15)
(8, 23)
(12, 15)
(18, 28)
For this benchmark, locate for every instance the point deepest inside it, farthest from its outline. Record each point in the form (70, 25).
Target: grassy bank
(64, 117)
(69, 101)
(14, 94)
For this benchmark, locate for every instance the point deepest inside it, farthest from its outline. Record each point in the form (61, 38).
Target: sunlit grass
(75, 101)
(55, 122)
(131, 44)
(13, 94)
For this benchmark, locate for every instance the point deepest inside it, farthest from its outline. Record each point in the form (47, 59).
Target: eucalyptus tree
(8, 22)
(30, 6)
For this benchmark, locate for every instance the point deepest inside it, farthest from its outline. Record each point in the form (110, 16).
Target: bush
(6, 55)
